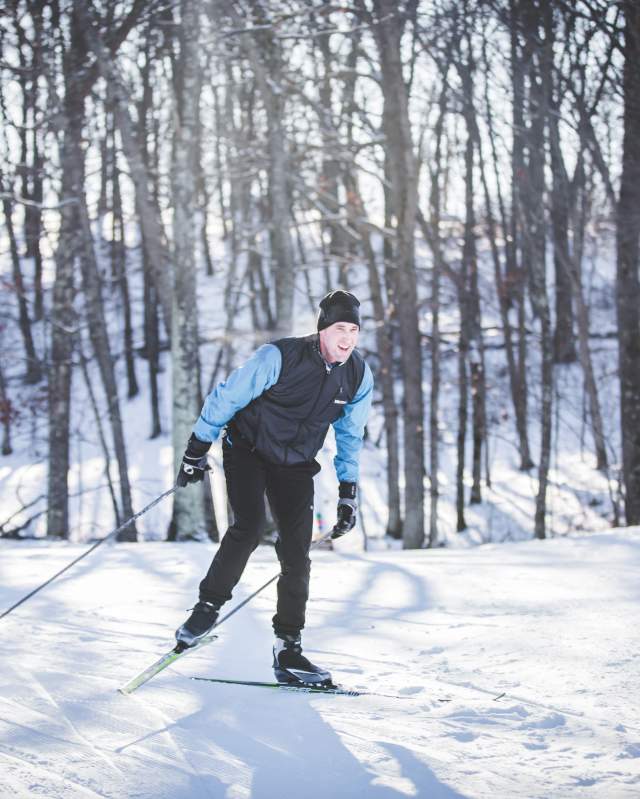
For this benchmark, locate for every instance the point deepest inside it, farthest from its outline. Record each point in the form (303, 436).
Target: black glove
(194, 462)
(347, 510)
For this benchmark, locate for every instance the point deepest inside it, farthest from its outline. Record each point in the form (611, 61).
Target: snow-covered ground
(515, 669)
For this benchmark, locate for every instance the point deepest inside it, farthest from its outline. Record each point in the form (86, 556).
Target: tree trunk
(513, 274)
(434, 436)
(564, 350)
(279, 205)
(188, 509)
(203, 203)
(33, 373)
(330, 169)
(151, 322)
(5, 415)
(384, 349)
(463, 413)
(33, 215)
(516, 240)
(27, 82)
(404, 170)
(219, 136)
(381, 302)
(627, 278)
(535, 240)
(436, 213)
(119, 256)
(470, 307)
(63, 318)
(582, 317)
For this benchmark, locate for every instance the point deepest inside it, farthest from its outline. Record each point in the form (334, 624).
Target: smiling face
(338, 341)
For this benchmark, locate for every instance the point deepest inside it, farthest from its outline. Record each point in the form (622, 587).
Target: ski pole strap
(89, 551)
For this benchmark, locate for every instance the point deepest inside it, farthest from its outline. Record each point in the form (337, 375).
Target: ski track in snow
(515, 668)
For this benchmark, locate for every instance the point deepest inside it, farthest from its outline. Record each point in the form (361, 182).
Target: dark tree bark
(471, 325)
(403, 171)
(382, 303)
(151, 316)
(564, 350)
(563, 337)
(203, 194)
(582, 319)
(219, 137)
(438, 258)
(463, 406)
(385, 377)
(517, 246)
(628, 264)
(63, 320)
(188, 521)
(119, 270)
(5, 415)
(33, 372)
(32, 144)
(533, 185)
(330, 169)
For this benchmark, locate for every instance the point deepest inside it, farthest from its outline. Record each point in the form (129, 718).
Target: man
(277, 409)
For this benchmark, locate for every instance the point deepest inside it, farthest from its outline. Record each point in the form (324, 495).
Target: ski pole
(89, 551)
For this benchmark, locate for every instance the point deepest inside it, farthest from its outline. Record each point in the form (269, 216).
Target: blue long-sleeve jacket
(261, 373)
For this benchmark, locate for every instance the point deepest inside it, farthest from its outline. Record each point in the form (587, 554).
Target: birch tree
(188, 512)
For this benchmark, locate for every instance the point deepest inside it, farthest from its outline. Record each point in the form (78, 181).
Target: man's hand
(347, 510)
(194, 462)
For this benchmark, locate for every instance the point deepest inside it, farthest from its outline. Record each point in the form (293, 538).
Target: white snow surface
(507, 671)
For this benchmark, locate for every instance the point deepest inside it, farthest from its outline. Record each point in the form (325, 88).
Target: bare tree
(5, 415)
(188, 515)
(388, 27)
(63, 319)
(628, 264)
(534, 239)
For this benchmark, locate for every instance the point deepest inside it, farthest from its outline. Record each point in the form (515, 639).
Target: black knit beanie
(338, 306)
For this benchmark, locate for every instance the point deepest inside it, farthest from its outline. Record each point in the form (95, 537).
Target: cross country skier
(277, 409)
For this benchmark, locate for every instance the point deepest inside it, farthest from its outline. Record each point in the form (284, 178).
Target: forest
(183, 180)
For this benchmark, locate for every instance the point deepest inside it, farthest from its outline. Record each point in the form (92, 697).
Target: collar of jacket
(316, 347)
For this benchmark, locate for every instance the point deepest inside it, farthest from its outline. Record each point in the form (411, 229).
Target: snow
(515, 668)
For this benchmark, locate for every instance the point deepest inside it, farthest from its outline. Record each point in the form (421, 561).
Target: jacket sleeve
(349, 430)
(242, 386)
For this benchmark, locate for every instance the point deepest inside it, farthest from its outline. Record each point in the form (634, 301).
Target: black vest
(288, 423)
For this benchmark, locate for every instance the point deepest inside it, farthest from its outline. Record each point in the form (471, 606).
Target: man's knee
(246, 533)
(296, 567)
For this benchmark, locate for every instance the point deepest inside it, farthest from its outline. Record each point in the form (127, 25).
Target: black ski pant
(290, 493)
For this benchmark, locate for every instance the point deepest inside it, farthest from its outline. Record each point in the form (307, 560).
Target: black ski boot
(198, 624)
(292, 668)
